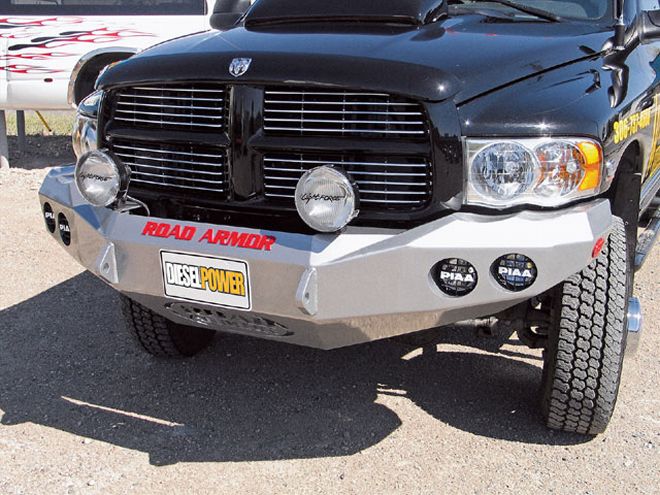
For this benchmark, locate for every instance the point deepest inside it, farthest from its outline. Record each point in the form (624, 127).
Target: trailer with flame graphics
(52, 53)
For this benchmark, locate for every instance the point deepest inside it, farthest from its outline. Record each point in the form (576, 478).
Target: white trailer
(51, 51)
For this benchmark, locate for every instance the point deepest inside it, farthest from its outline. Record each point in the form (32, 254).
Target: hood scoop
(406, 12)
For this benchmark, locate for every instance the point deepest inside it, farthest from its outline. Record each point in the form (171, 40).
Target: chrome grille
(391, 182)
(341, 113)
(174, 166)
(199, 106)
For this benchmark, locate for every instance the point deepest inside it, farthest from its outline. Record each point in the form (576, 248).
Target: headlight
(544, 172)
(326, 199)
(85, 126)
(101, 179)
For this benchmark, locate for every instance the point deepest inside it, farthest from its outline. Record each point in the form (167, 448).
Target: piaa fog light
(49, 217)
(514, 272)
(100, 178)
(326, 199)
(455, 277)
(65, 229)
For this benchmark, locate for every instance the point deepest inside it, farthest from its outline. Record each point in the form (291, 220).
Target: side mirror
(227, 12)
(649, 26)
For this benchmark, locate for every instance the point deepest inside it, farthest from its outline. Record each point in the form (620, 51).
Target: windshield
(565, 9)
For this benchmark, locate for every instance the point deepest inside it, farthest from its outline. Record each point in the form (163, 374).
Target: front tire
(161, 337)
(586, 343)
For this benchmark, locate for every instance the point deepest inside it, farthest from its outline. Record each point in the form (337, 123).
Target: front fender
(575, 100)
(87, 58)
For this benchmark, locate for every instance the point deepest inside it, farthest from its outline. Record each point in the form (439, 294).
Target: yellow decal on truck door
(631, 124)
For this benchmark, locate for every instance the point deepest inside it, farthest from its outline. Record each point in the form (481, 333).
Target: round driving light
(100, 178)
(514, 272)
(326, 199)
(455, 277)
(65, 230)
(503, 170)
(49, 217)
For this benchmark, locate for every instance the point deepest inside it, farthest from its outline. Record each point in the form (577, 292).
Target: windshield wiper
(543, 14)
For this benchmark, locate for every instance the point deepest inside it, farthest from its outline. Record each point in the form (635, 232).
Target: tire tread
(160, 337)
(583, 364)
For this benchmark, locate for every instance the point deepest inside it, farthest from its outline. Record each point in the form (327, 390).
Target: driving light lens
(99, 178)
(514, 272)
(326, 199)
(538, 171)
(455, 276)
(84, 137)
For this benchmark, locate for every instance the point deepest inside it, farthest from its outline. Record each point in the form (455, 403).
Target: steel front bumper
(327, 290)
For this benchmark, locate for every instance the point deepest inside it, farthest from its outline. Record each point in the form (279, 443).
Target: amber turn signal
(593, 164)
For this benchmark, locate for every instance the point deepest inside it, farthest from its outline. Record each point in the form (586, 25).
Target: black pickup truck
(331, 173)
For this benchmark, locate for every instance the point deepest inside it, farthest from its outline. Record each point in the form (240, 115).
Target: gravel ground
(82, 411)
(43, 146)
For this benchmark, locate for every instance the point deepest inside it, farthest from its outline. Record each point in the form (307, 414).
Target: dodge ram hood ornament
(239, 66)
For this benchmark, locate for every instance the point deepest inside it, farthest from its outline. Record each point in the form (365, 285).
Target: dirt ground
(83, 411)
(46, 144)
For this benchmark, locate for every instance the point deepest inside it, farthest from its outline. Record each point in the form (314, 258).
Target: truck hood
(460, 57)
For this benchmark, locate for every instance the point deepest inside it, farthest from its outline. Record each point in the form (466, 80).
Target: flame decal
(28, 69)
(67, 38)
(16, 22)
(35, 56)
(15, 36)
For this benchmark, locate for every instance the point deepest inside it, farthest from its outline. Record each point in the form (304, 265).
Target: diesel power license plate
(218, 281)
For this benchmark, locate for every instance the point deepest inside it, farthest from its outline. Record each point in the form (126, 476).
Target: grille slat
(343, 121)
(179, 89)
(389, 201)
(160, 158)
(408, 187)
(325, 162)
(172, 152)
(343, 103)
(175, 98)
(354, 172)
(341, 112)
(158, 105)
(166, 114)
(345, 113)
(187, 179)
(369, 182)
(169, 165)
(324, 93)
(158, 167)
(412, 193)
(178, 186)
(164, 123)
(342, 131)
(192, 107)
